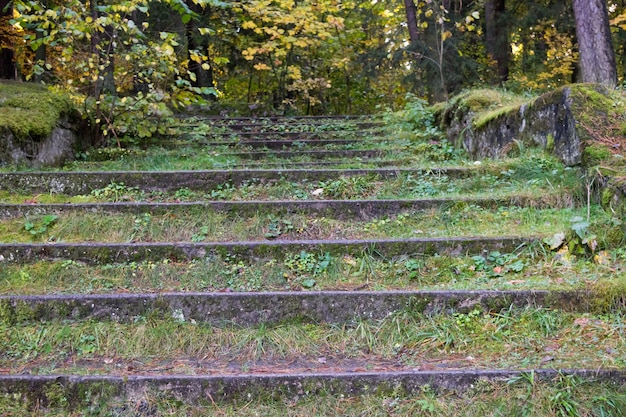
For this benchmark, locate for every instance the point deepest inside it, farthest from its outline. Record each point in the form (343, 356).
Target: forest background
(126, 61)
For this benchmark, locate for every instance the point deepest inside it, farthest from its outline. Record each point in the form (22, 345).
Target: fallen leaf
(516, 282)
(582, 321)
(602, 258)
(317, 192)
(555, 241)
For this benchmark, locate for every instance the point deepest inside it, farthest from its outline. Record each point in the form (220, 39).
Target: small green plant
(116, 192)
(184, 194)
(277, 227)
(42, 226)
(346, 187)
(413, 267)
(306, 265)
(223, 191)
(201, 235)
(579, 240)
(141, 226)
(498, 264)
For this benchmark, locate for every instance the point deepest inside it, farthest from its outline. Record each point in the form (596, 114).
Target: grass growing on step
(529, 268)
(511, 338)
(198, 225)
(542, 399)
(528, 396)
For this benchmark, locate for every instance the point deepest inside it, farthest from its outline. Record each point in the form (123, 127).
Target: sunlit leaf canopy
(307, 56)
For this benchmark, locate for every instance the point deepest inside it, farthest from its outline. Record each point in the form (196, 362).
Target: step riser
(241, 389)
(98, 253)
(337, 209)
(280, 144)
(297, 129)
(75, 183)
(310, 154)
(249, 309)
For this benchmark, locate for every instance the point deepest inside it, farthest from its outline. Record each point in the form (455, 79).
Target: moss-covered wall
(487, 123)
(37, 125)
(582, 124)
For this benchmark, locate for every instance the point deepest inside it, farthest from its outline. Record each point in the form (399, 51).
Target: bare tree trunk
(203, 77)
(433, 54)
(411, 20)
(8, 70)
(497, 37)
(597, 58)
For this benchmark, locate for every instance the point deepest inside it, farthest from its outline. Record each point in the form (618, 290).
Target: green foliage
(116, 192)
(417, 117)
(497, 264)
(41, 227)
(305, 266)
(277, 227)
(123, 76)
(346, 187)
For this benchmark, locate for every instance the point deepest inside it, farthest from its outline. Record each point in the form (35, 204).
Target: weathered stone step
(300, 127)
(94, 253)
(283, 143)
(218, 120)
(80, 391)
(315, 154)
(295, 135)
(248, 309)
(74, 183)
(340, 209)
(286, 164)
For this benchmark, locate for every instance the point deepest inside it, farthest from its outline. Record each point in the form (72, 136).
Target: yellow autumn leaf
(249, 24)
(261, 67)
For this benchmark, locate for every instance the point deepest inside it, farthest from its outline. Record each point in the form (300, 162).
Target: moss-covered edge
(32, 110)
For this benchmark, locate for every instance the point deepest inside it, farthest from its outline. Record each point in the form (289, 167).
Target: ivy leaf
(309, 283)
(555, 241)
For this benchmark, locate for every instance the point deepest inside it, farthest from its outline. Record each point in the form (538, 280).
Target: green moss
(609, 296)
(485, 117)
(550, 143)
(31, 110)
(594, 155)
(12, 313)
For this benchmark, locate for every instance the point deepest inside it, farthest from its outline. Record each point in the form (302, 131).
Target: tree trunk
(497, 37)
(203, 77)
(411, 20)
(597, 58)
(8, 70)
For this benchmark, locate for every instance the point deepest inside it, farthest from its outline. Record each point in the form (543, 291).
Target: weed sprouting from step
(116, 192)
(41, 227)
(141, 227)
(304, 267)
(277, 227)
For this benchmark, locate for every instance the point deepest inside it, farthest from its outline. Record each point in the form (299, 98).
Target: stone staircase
(297, 266)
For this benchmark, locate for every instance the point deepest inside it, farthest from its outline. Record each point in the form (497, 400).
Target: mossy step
(298, 126)
(315, 154)
(338, 163)
(272, 119)
(530, 268)
(339, 209)
(249, 309)
(74, 392)
(74, 183)
(287, 135)
(282, 143)
(95, 253)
